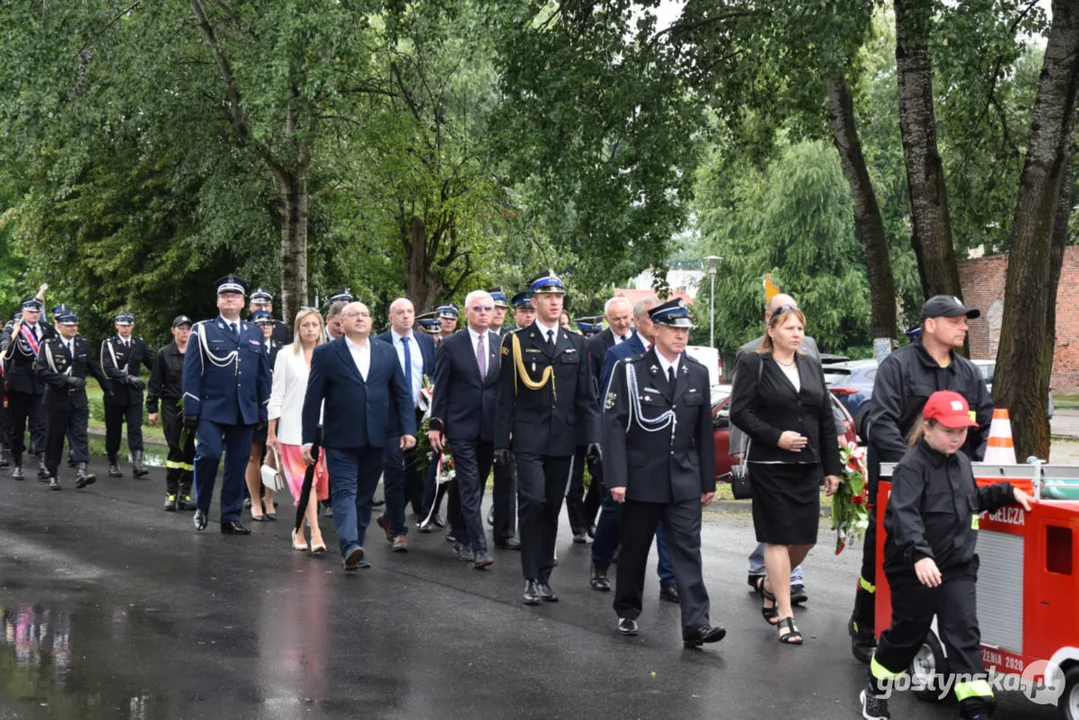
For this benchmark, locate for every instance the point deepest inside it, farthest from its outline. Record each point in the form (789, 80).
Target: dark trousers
(683, 524)
(504, 502)
(26, 409)
(393, 482)
(865, 606)
(354, 476)
(541, 486)
(473, 462)
(954, 604)
(180, 463)
(608, 531)
(115, 417)
(61, 423)
(234, 442)
(578, 523)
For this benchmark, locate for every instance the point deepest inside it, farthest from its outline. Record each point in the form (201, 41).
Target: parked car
(851, 382)
(721, 424)
(989, 367)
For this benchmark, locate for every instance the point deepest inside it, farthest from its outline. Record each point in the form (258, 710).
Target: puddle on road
(53, 672)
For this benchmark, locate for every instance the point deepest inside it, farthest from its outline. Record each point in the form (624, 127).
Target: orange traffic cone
(1000, 450)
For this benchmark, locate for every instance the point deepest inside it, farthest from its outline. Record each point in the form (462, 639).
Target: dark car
(721, 422)
(851, 382)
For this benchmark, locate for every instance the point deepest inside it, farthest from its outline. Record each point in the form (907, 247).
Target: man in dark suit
(545, 404)
(607, 527)
(738, 442)
(463, 417)
(657, 426)
(402, 482)
(226, 386)
(122, 358)
(582, 509)
(62, 364)
(19, 347)
(354, 384)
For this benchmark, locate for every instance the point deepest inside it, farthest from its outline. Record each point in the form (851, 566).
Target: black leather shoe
(546, 593)
(114, 471)
(234, 528)
(490, 514)
(200, 520)
(580, 538)
(668, 593)
(531, 594)
(17, 474)
(83, 478)
(54, 484)
(626, 626)
(378, 503)
(509, 544)
(137, 470)
(798, 594)
(704, 634)
(451, 537)
(599, 581)
(437, 521)
(42, 471)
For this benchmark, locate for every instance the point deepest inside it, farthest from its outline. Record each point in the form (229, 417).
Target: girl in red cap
(929, 559)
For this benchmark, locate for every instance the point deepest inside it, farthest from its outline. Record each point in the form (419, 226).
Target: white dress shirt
(544, 328)
(360, 355)
(487, 335)
(664, 364)
(416, 356)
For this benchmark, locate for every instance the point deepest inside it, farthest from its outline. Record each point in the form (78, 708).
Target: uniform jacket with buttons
(765, 404)
(167, 377)
(933, 509)
(19, 374)
(226, 378)
(53, 364)
(118, 361)
(673, 464)
(550, 420)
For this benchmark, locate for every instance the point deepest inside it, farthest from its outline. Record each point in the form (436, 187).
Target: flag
(770, 290)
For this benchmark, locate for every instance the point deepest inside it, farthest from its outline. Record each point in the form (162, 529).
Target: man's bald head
(779, 301)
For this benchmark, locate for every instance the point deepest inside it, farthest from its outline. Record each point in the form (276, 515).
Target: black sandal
(792, 636)
(771, 614)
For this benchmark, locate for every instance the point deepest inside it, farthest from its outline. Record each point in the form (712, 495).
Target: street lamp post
(713, 261)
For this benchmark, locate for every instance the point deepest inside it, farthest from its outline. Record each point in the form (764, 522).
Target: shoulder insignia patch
(505, 350)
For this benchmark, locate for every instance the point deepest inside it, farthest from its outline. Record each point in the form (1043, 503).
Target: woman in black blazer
(781, 402)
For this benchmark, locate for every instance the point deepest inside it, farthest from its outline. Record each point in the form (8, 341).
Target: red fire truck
(1028, 584)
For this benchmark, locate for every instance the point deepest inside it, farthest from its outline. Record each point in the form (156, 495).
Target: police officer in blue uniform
(122, 358)
(262, 300)
(523, 311)
(226, 386)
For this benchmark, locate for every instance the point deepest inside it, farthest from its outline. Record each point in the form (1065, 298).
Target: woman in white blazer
(291, 369)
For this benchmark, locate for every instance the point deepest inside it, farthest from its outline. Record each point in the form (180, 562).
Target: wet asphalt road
(113, 608)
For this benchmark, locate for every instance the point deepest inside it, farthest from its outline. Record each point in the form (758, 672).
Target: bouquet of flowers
(850, 514)
(424, 454)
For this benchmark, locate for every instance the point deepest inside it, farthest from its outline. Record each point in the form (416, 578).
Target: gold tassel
(522, 372)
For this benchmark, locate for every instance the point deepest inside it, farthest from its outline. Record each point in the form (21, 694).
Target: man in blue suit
(355, 384)
(401, 480)
(605, 543)
(463, 416)
(226, 387)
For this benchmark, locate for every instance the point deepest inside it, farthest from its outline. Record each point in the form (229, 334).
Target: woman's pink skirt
(294, 469)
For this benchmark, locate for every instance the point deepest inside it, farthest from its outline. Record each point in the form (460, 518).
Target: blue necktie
(232, 327)
(408, 363)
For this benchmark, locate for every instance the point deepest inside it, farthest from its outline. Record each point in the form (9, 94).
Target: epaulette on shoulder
(693, 360)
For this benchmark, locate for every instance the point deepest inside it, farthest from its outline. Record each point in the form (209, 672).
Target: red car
(721, 421)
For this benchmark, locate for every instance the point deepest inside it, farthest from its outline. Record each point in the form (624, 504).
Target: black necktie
(71, 348)
(34, 330)
(670, 375)
(232, 327)
(550, 338)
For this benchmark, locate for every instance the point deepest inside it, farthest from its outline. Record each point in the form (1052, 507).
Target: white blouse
(287, 393)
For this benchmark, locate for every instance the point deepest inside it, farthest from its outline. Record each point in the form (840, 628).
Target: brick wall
(983, 280)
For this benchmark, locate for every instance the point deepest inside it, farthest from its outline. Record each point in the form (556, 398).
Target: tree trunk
(867, 219)
(932, 233)
(293, 188)
(1039, 233)
(421, 285)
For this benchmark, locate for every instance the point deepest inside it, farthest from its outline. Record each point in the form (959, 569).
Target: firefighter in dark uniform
(122, 357)
(523, 312)
(931, 528)
(62, 364)
(5, 426)
(546, 405)
(263, 300)
(19, 348)
(167, 388)
(660, 465)
(226, 387)
(904, 381)
(502, 516)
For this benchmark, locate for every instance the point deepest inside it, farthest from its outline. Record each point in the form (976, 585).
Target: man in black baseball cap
(947, 306)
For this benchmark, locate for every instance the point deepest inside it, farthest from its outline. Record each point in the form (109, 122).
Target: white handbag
(273, 479)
